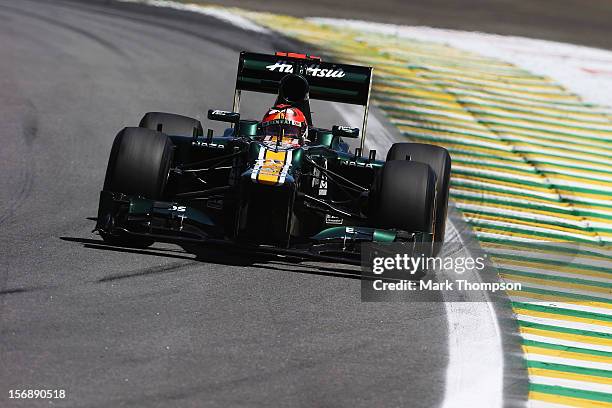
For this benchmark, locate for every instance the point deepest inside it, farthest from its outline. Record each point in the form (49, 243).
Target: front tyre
(403, 197)
(139, 165)
(439, 160)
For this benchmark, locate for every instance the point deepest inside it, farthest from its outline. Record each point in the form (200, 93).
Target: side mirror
(223, 116)
(345, 131)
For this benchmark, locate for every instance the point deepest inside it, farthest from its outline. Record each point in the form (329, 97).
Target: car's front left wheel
(403, 197)
(139, 165)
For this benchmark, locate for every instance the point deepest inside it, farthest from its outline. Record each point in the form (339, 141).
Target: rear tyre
(171, 124)
(403, 197)
(138, 165)
(439, 160)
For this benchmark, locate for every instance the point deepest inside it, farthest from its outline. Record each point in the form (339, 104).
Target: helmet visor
(282, 130)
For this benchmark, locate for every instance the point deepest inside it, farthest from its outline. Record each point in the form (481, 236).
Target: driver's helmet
(285, 124)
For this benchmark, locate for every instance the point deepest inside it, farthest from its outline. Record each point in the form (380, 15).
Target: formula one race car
(279, 185)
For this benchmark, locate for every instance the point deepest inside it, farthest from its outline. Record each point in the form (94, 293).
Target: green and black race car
(307, 196)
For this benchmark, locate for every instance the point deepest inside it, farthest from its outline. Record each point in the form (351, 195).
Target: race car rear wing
(342, 83)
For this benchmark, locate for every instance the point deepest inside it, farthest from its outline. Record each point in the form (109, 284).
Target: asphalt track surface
(160, 327)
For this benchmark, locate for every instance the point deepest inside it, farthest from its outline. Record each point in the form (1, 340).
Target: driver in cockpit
(284, 125)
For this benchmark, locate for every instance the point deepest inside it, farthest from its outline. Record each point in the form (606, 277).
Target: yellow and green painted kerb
(531, 163)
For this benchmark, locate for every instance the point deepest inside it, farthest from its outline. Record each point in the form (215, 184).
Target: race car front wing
(163, 221)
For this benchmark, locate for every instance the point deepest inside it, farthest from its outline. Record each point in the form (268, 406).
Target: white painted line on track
(568, 343)
(544, 358)
(552, 285)
(568, 324)
(544, 404)
(473, 331)
(217, 12)
(582, 306)
(547, 272)
(578, 385)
